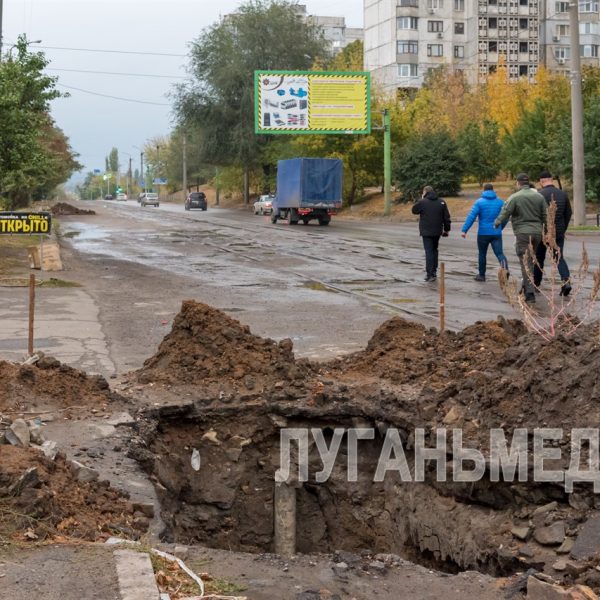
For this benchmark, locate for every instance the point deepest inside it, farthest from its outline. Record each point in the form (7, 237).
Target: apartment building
(404, 39)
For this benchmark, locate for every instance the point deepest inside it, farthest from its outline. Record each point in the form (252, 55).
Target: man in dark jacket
(434, 222)
(561, 223)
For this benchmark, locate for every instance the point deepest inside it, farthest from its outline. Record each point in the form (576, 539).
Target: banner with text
(312, 102)
(25, 223)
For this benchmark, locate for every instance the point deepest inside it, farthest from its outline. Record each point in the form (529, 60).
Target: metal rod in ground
(284, 508)
(31, 312)
(442, 297)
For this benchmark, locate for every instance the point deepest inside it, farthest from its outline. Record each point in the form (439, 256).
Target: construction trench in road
(214, 398)
(227, 394)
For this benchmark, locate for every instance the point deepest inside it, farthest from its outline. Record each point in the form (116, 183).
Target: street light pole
(142, 171)
(387, 162)
(157, 172)
(184, 182)
(577, 117)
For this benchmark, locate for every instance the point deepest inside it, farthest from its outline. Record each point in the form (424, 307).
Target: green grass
(53, 282)
(584, 228)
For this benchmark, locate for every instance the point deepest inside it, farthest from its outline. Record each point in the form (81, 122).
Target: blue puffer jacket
(486, 209)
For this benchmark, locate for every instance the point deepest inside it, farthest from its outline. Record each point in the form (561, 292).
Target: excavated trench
(241, 390)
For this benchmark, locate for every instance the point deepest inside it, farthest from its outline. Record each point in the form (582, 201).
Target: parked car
(149, 199)
(264, 205)
(121, 196)
(108, 197)
(196, 200)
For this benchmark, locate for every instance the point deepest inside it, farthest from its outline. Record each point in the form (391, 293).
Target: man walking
(434, 222)
(527, 211)
(485, 211)
(561, 224)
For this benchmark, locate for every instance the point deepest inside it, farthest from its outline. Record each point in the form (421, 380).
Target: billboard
(312, 102)
(23, 222)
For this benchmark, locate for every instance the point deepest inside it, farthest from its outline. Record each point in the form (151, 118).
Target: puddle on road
(318, 286)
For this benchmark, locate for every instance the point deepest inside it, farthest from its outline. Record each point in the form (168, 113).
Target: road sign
(97, 171)
(312, 102)
(159, 181)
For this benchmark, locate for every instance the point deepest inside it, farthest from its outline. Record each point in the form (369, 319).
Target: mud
(49, 385)
(42, 499)
(490, 374)
(64, 209)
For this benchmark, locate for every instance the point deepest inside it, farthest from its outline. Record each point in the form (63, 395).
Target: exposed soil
(208, 349)
(64, 209)
(488, 375)
(51, 501)
(49, 384)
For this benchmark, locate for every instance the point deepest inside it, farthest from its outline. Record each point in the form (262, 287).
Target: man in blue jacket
(486, 211)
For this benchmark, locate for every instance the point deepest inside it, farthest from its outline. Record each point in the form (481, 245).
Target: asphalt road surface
(326, 288)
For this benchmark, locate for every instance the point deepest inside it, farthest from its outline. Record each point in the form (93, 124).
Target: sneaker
(430, 278)
(565, 290)
(530, 298)
(479, 278)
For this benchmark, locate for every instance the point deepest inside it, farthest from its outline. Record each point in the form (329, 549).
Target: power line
(117, 73)
(113, 51)
(70, 87)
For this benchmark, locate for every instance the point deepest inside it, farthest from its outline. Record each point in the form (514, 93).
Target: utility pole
(142, 171)
(156, 173)
(217, 191)
(387, 162)
(0, 30)
(184, 182)
(129, 179)
(577, 117)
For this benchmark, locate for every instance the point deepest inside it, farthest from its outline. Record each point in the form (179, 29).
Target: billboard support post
(387, 162)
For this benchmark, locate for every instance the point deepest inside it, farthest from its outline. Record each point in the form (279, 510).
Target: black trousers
(431, 243)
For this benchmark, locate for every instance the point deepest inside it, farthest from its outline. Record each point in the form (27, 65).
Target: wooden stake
(31, 312)
(442, 297)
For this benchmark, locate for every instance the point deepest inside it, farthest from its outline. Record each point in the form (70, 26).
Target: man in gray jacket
(527, 211)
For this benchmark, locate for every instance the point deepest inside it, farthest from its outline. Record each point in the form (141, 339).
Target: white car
(149, 199)
(121, 196)
(264, 205)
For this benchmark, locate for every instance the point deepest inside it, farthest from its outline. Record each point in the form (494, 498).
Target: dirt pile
(405, 352)
(49, 384)
(209, 349)
(64, 209)
(42, 498)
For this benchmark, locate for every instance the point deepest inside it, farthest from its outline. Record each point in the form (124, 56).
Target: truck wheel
(324, 222)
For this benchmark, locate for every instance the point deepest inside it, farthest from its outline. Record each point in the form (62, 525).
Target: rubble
(64, 209)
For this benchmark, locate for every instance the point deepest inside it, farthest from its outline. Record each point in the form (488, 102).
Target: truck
(308, 189)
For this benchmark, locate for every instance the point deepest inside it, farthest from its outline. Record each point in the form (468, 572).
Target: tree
(112, 161)
(219, 97)
(34, 154)
(480, 150)
(429, 159)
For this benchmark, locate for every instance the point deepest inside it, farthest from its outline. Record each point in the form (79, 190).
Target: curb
(135, 575)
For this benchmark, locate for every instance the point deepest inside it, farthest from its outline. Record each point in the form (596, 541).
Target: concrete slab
(136, 576)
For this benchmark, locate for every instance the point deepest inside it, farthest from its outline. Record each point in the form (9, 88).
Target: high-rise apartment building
(404, 39)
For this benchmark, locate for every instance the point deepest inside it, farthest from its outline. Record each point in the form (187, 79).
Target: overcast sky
(95, 123)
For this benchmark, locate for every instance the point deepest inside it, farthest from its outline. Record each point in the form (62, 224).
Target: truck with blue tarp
(308, 189)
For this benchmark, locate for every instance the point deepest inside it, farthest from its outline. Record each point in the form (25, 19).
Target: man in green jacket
(527, 211)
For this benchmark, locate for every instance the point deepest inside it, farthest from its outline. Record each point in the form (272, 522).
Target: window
(492, 2)
(562, 30)
(409, 3)
(523, 2)
(435, 26)
(407, 22)
(587, 28)
(410, 47)
(493, 23)
(435, 50)
(459, 51)
(561, 7)
(523, 47)
(492, 46)
(523, 70)
(459, 28)
(434, 4)
(459, 5)
(523, 23)
(588, 6)
(562, 52)
(407, 70)
(588, 51)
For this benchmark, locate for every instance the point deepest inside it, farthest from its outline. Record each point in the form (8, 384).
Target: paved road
(327, 288)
